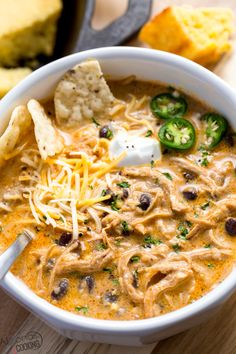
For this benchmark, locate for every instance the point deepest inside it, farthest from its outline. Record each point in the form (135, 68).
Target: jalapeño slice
(167, 106)
(216, 126)
(177, 133)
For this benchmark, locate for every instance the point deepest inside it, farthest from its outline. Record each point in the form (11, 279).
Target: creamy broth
(131, 260)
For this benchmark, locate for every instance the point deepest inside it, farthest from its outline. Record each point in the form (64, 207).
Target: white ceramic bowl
(146, 64)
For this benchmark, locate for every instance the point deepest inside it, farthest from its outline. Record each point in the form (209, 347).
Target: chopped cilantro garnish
(115, 281)
(204, 162)
(101, 246)
(125, 228)
(182, 237)
(91, 187)
(104, 192)
(84, 309)
(176, 247)
(116, 203)
(108, 270)
(114, 206)
(117, 243)
(211, 265)
(109, 134)
(205, 206)
(208, 245)
(184, 228)
(149, 240)
(168, 175)
(203, 150)
(149, 133)
(134, 259)
(123, 184)
(95, 122)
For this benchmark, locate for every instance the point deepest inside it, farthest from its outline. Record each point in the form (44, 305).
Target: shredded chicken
(175, 274)
(94, 264)
(169, 188)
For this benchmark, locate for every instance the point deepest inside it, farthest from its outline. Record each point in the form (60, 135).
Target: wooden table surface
(217, 336)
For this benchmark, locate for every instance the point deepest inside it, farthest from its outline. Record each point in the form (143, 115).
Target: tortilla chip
(48, 140)
(82, 93)
(19, 123)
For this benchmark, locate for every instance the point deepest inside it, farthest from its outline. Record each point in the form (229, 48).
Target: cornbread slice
(200, 34)
(10, 77)
(27, 28)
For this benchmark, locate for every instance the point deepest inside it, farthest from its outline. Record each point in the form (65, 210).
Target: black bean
(189, 176)
(125, 193)
(145, 201)
(108, 191)
(89, 282)
(110, 297)
(190, 195)
(230, 226)
(105, 132)
(65, 239)
(60, 290)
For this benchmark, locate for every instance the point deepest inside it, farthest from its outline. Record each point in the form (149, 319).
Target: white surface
(150, 65)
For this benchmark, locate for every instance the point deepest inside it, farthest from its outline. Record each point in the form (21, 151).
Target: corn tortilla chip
(19, 123)
(48, 140)
(82, 93)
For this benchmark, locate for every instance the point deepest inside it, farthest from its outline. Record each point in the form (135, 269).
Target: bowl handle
(118, 31)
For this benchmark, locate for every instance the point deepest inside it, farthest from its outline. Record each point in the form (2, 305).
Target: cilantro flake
(101, 246)
(149, 133)
(176, 247)
(205, 205)
(168, 175)
(123, 184)
(95, 122)
(83, 309)
(149, 241)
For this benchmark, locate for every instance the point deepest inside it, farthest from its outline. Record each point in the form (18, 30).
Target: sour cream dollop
(138, 150)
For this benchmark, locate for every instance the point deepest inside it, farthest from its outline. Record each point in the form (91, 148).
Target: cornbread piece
(27, 28)
(10, 77)
(200, 34)
(82, 93)
(19, 123)
(48, 140)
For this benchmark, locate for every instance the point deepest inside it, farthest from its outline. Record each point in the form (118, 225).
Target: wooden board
(217, 336)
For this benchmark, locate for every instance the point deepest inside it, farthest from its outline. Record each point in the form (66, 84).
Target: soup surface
(124, 242)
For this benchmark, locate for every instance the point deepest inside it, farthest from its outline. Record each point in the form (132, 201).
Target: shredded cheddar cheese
(66, 189)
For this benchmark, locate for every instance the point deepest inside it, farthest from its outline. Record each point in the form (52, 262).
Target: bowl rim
(141, 326)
